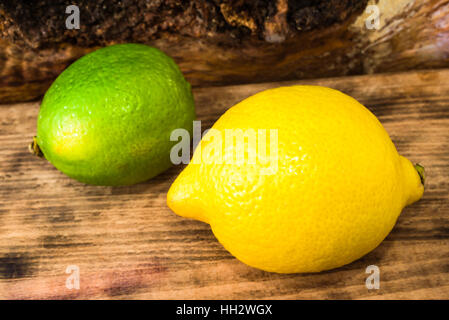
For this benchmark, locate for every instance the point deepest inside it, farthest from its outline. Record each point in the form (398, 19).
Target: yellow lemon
(326, 186)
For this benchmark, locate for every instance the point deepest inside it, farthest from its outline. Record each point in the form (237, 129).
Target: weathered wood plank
(225, 42)
(128, 244)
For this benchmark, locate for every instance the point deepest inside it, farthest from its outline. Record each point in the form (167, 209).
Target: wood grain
(222, 45)
(128, 244)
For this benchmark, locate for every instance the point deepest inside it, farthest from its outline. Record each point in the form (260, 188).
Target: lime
(107, 119)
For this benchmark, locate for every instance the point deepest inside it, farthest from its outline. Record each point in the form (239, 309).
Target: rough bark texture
(224, 42)
(42, 24)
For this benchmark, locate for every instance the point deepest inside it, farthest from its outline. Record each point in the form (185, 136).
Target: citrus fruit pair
(335, 185)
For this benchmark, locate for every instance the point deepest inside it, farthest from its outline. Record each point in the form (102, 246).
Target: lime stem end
(33, 147)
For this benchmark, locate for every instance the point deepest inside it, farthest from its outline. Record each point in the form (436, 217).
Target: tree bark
(225, 42)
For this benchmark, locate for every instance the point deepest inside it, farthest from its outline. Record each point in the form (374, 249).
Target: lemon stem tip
(422, 175)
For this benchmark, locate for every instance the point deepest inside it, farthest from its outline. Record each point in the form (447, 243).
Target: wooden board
(226, 42)
(128, 244)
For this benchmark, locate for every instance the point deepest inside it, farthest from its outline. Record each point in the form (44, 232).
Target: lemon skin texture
(337, 193)
(107, 119)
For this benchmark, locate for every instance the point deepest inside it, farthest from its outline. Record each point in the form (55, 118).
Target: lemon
(335, 194)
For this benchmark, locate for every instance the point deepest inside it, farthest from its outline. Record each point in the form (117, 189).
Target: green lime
(107, 119)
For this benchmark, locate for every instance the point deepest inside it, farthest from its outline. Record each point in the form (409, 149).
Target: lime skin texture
(107, 119)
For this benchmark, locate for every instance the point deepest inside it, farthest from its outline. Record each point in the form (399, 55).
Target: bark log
(225, 42)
